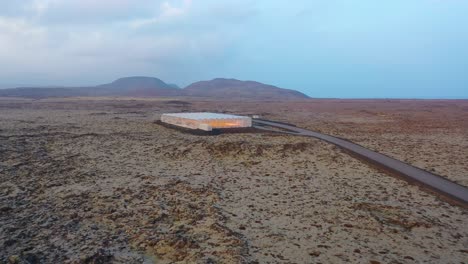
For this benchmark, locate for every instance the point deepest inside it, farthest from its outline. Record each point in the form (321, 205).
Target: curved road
(436, 183)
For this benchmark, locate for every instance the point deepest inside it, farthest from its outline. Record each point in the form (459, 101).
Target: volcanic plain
(97, 180)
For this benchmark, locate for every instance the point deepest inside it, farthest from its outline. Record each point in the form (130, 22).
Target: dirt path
(434, 182)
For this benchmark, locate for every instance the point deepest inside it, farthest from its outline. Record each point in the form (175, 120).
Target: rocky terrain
(98, 181)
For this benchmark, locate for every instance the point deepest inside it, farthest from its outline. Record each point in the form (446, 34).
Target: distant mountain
(9, 85)
(173, 85)
(235, 89)
(133, 86)
(129, 86)
(41, 92)
(153, 87)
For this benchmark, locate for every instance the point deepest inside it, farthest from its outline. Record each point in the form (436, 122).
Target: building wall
(230, 123)
(207, 124)
(183, 122)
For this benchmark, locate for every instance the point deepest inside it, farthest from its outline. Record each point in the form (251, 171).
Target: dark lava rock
(100, 257)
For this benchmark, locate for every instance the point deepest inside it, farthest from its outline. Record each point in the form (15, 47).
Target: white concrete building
(206, 121)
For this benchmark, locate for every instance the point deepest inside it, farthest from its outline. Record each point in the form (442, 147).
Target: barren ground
(96, 181)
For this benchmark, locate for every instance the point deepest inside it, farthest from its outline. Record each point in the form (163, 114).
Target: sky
(324, 48)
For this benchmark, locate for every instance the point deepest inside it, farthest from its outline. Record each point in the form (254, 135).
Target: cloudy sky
(325, 48)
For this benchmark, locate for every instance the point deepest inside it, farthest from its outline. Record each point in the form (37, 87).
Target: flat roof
(205, 115)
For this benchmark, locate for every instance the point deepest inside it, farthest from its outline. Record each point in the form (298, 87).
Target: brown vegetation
(97, 181)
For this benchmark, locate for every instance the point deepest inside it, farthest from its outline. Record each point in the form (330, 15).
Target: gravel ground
(97, 181)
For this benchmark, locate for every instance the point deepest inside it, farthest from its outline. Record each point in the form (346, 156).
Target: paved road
(436, 183)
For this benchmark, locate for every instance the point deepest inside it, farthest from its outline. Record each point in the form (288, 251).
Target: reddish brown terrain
(96, 180)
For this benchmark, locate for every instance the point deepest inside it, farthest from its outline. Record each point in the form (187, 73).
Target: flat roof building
(206, 121)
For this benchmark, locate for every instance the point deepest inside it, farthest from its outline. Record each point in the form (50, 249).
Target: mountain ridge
(233, 88)
(142, 86)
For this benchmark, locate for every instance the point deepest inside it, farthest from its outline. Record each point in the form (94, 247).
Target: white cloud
(67, 39)
(20, 26)
(79, 11)
(167, 12)
(19, 39)
(38, 6)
